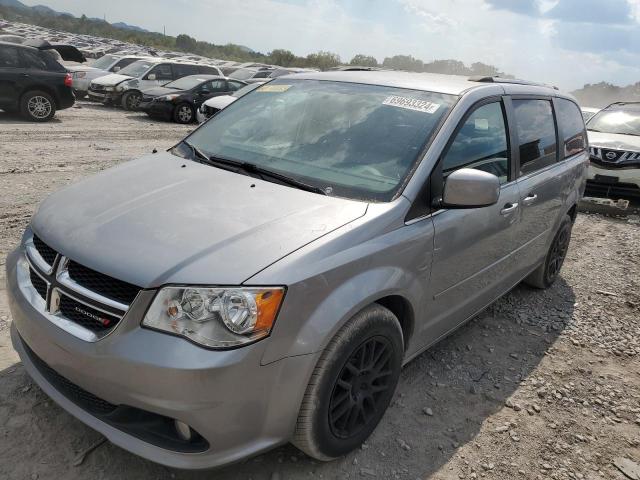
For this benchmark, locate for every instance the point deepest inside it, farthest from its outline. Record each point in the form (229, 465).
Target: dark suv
(33, 82)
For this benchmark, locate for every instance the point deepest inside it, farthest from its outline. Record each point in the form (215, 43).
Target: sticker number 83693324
(411, 104)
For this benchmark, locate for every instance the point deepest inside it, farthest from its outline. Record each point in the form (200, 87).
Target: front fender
(298, 334)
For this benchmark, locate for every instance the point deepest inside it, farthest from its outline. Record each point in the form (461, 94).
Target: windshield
(242, 74)
(186, 83)
(136, 69)
(103, 63)
(351, 140)
(620, 121)
(246, 89)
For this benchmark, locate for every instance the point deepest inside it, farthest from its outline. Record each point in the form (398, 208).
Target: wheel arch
(42, 88)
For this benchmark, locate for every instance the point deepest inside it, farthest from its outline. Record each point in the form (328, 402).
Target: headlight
(168, 98)
(109, 89)
(80, 74)
(215, 317)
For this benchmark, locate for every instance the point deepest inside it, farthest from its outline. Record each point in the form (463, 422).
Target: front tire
(131, 100)
(351, 386)
(37, 106)
(183, 113)
(548, 272)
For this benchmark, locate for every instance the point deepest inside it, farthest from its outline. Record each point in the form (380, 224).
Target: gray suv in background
(265, 280)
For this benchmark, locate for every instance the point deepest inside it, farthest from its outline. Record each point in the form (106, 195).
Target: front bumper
(613, 182)
(239, 406)
(104, 97)
(157, 109)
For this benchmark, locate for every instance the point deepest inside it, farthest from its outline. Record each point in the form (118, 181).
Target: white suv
(614, 139)
(126, 86)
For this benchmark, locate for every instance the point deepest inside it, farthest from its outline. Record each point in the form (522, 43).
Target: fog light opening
(184, 431)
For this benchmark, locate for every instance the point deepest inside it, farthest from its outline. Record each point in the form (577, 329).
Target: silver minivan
(265, 280)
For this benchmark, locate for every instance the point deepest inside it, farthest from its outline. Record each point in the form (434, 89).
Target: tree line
(322, 60)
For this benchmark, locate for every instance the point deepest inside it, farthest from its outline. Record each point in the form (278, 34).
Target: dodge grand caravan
(265, 280)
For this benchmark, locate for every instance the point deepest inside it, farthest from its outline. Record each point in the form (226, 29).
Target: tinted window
(360, 140)
(572, 126)
(124, 62)
(536, 134)
(209, 70)
(233, 85)
(184, 70)
(33, 60)
(216, 86)
(162, 72)
(9, 57)
(263, 74)
(481, 143)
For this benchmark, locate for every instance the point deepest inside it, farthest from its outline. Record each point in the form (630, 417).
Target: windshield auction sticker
(274, 88)
(411, 104)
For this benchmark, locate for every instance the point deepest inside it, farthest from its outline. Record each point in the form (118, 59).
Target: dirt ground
(543, 384)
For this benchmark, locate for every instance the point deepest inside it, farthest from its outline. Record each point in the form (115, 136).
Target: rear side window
(33, 60)
(208, 70)
(185, 70)
(9, 57)
(536, 134)
(123, 63)
(481, 143)
(233, 85)
(572, 127)
(162, 72)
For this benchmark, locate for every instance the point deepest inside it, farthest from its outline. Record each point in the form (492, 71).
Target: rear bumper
(66, 98)
(237, 405)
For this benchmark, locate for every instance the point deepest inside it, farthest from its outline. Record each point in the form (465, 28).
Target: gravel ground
(543, 384)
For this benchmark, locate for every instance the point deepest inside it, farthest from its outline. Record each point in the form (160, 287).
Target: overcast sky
(564, 42)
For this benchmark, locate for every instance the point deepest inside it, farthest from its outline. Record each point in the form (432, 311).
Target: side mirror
(151, 76)
(469, 188)
(116, 69)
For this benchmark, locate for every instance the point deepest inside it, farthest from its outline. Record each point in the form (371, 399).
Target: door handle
(509, 208)
(529, 199)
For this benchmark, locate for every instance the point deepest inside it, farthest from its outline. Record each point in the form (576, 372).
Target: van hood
(614, 141)
(112, 79)
(163, 219)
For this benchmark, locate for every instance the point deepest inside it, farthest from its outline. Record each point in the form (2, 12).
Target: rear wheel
(351, 386)
(183, 113)
(37, 106)
(131, 100)
(547, 273)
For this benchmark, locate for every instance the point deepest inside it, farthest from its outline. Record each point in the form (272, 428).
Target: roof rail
(515, 81)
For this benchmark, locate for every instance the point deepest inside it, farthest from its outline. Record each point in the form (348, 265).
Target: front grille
(38, 283)
(73, 392)
(103, 284)
(45, 251)
(97, 89)
(85, 316)
(611, 158)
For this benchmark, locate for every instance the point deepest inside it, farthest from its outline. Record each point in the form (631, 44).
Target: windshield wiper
(248, 167)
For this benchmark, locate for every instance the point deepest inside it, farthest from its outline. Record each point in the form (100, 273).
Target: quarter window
(9, 57)
(536, 134)
(33, 60)
(572, 126)
(481, 143)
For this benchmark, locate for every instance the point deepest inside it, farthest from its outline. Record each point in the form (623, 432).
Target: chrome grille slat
(81, 311)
